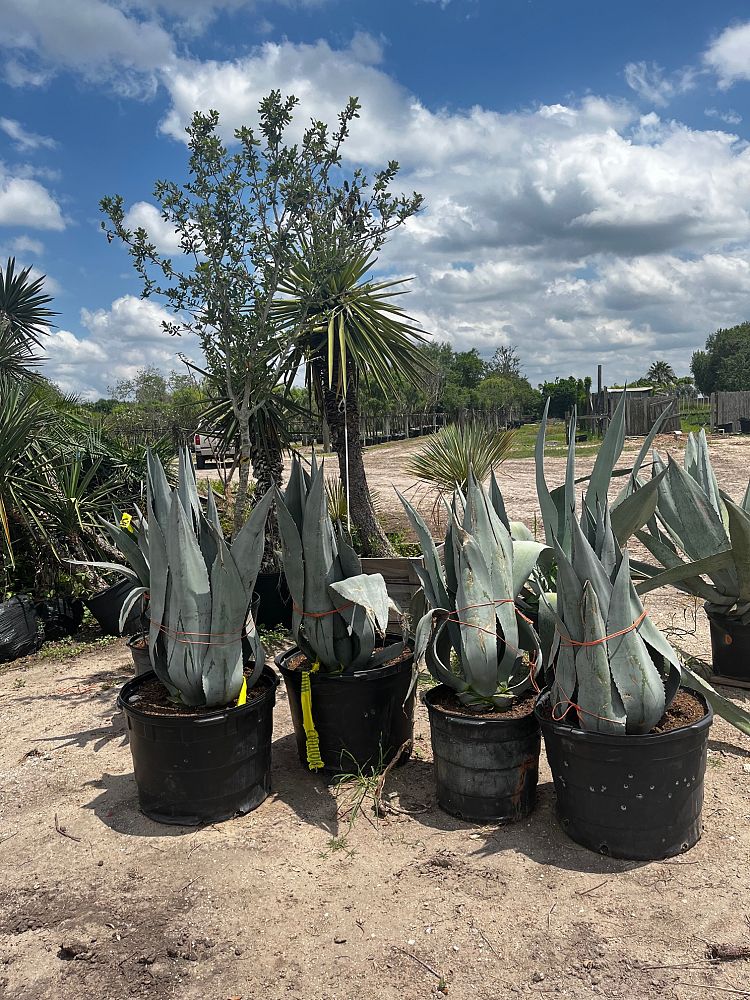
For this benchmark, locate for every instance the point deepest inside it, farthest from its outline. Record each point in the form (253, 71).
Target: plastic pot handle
(209, 720)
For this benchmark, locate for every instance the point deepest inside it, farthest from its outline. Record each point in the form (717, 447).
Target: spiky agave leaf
(479, 620)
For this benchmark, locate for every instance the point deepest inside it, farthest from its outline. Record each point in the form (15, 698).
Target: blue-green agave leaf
(597, 712)
(636, 677)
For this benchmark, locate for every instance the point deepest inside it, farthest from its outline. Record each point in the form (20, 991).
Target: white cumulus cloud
(729, 55)
(144, 215)
(27, 203)
(92, 37)
(114, 344)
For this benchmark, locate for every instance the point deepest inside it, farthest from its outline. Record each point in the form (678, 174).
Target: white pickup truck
(208, 446)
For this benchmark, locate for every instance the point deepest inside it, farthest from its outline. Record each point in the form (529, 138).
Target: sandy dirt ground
(309, 899)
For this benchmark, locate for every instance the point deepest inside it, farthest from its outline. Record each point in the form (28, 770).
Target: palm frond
(445, 460)
(353, 325)
(23, 303)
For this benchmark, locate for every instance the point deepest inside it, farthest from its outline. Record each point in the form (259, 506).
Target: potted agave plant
(350, 684)
(485, 656)
(700, 539)
(625, 742)
(200, 722)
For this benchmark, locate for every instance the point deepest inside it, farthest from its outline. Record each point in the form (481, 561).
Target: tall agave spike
(337, 610)
(630, 511)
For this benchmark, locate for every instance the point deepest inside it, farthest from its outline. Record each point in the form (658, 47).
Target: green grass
(60, 650)
(694, 419)
(524, 441)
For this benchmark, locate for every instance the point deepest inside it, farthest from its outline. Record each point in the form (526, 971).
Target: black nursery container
(107, 605)
(362, 719)
(634, 797)
(201, 768)
(730, 649)
(138, 646)
(274, 601)
(486, 769)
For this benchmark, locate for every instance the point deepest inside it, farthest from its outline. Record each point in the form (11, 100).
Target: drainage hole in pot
(603, 849)
(684, 846)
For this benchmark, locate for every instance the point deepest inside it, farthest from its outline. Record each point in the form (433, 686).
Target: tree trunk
(240, 497)
(268, 467)
(264, 455)
(372, 538)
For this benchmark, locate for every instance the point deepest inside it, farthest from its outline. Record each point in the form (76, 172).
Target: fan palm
(24, 316)
(446, 459)
(349, 330)
(662, 373)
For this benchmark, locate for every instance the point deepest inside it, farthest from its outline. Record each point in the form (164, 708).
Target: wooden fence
(378, 428)
(728, 409)
(640, 413)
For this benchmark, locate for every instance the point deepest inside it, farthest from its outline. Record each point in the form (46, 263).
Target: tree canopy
(724, 365)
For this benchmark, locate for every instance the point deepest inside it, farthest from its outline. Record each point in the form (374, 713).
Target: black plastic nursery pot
(730, 650)
(362, 719)
(138, 646)
(486, 769)
(107, 605)
(275, 602)
(194, 769)
(633, 797)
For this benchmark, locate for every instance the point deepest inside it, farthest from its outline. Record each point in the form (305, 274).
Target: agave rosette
(339, 614)
(201, 631)
(472, 638)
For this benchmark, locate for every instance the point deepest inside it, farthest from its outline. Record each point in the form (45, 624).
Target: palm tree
(24, 319)
(661, 373)
(351, 331)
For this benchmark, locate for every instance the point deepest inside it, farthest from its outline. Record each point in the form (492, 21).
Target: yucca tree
(351, 330)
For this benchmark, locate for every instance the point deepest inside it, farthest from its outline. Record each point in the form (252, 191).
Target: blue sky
(585, 165)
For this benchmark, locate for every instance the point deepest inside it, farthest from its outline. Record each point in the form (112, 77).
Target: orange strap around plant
(567, 641)
(571, 704)
(213, 639)
(321, 614)
(481, 628)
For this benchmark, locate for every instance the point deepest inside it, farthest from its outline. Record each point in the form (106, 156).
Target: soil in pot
(362, 719)
(486, 764)
(199, 765)
(730, 651)
(634, 797)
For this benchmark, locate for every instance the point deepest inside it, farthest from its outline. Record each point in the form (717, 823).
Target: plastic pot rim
(268, 673)
(477, 720)
(725, 622)
(633, 739)
(320, 677)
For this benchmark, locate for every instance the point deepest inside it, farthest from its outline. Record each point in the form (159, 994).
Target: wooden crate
(400, 578)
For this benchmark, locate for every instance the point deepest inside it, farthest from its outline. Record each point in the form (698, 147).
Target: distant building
(633, 391)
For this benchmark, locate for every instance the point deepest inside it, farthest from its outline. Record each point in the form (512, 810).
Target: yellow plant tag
(242, 699)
